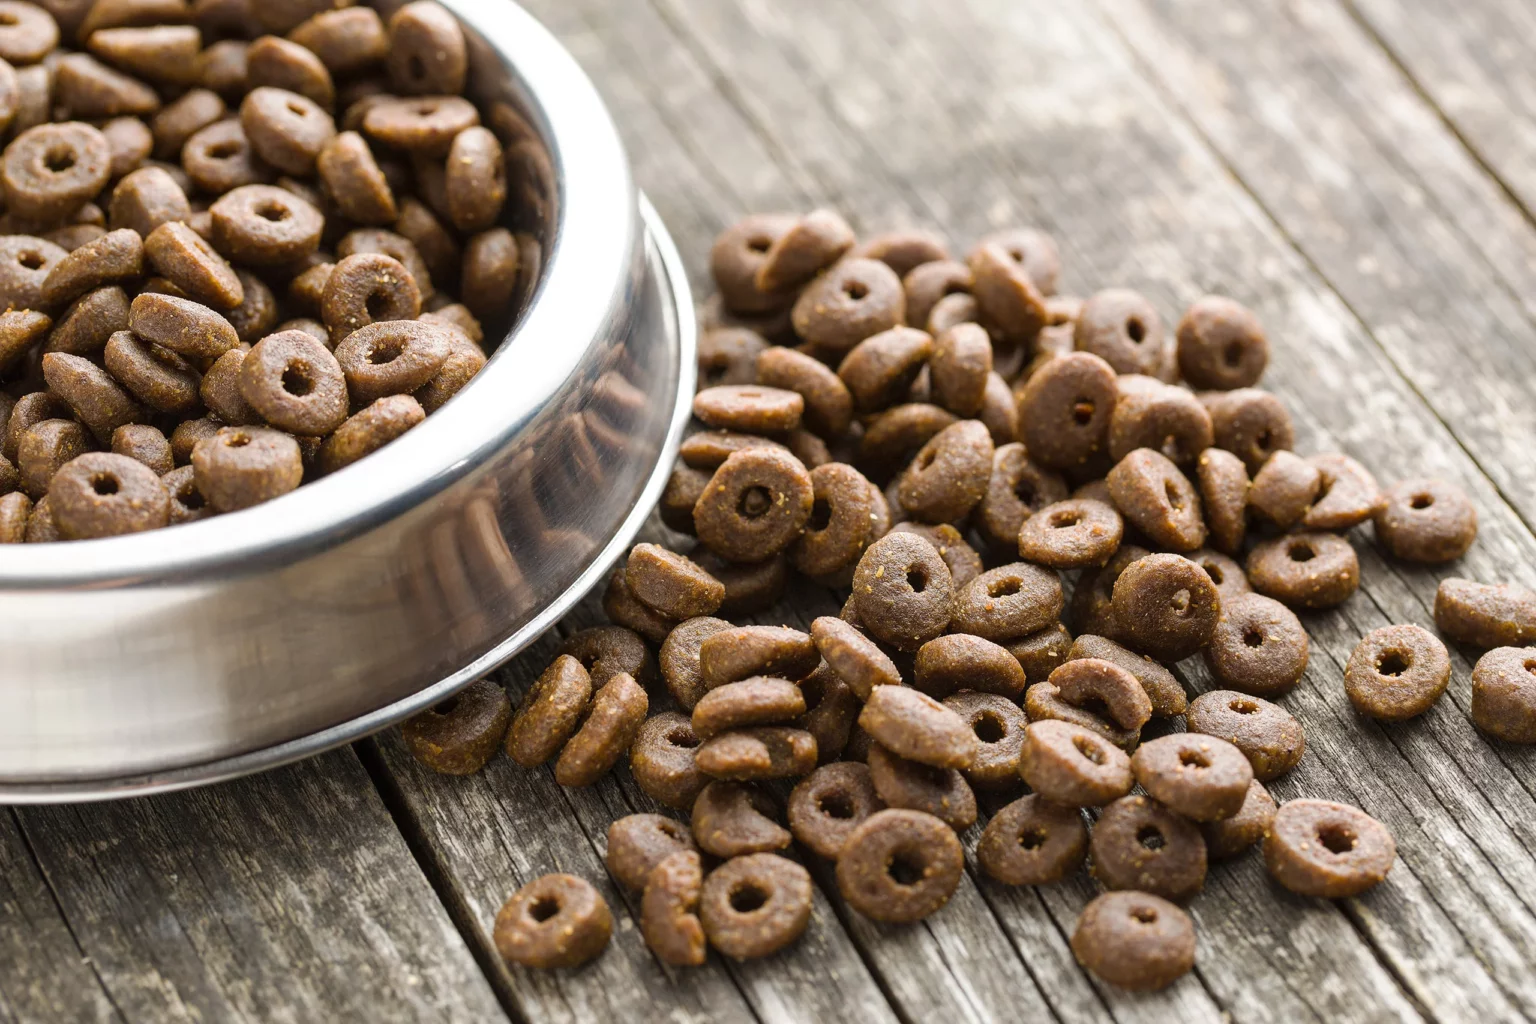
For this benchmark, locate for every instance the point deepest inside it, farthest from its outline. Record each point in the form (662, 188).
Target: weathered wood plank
(934, 135)
(287, 897)
(497, 830)
(1365, 179)
(44, 975)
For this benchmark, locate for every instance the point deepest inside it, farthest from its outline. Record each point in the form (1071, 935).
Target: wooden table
(1362, 172)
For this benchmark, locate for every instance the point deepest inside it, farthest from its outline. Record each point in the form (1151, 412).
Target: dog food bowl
(203, 651)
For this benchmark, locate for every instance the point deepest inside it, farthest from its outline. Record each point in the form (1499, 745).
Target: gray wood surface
(1358, 171)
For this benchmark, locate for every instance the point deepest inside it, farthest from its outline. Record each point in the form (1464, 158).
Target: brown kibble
(295, 384)
(243, 466)
(854, 300)
(1326, 849)
(1039, 654)
(1266, 733)
(262, 226)
(91, 90)
(1140, 844)
(949, 475)
(114, 258)
(902, 591)
(1071, 534)
(959, 661)
(1221, 345)
(1348, 494)
(553, 921)
(998, 725)
(369, 430)
(1397, 672)
(1135, 940)
(1018, 488)
(1305, 570)
(283, 64)
(220, 158)
(25, 263)
(359, 188)
(1166, 606)
(457, 736)
(755, 905)
(146, 445)
(549, 713)
(187, 260)
(639, 842)
(671, 583)
(491, 272)
(1073, 766)
(1426, 520)
(1033, 842)
(828, 804)
(1005, 292)
(1158, 499)
(625, 609)
(1285, 488)
(1251, 423)
(285, 129)
(914, 726)
(737, 653)
(669, 919)
(99, 494)
(1164, 691)
(155, 376)
(1202, 777)
(427, 52)
(755, 505)
(899, 866)
(765, 752)
(15, 511)
(1259, 646)
(914, 786)
(812, 244)
(97, 400)
(1504, 694)
(51, 169)
(1486, 614)
(347, 41)
(1065, 411)
(391, 357)
(748, 408)
(662, 760)
(731, 819)
(760, 700)
(856, 659)
(617, 711)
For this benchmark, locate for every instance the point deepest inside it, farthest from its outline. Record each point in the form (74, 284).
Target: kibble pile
(955, 447)
(243, 244)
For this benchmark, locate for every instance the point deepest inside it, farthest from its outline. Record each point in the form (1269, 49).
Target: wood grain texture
(287, 897)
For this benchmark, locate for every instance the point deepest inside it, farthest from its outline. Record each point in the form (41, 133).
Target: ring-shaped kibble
(1162, 688)
(1202, 777)
(146, 444)
(815, 242)
(900, 866)
(1305, 570)
(854, 300)
(1138, 843)
(243, 466)
(553, 921)
(669, 921)
(928, 283)
(736, 256)
(285, 64)
(295, 383)
(28, 33)
(1105, 688)
(679, 658)
(605, 651)
(1504, 694)
(1267, 734)
(914, 786)
(959, 368)
(998, 725)
(950, 474)
(220, 390)
(879, 371)
(1135, 940)
(265, 226)
(1040, 654)
(1228, 575)
(661, 760)
(549, 713)
(748, 408)
(831, 712)
(903, 250)
(185, 327)
(895, 435)
(755, 505)
(1073, 766)
(733, 818)
(20, 330)
(156, 376)
(1485, 614)
(1033, 841)
(671, 583)
(1035, 251)
(188, 261)
(113, 258)
(1006, 294)
(88, 322)
(625, 609)
(707, 449)
(1164, 418)
(427, 50)
(220, 158)
(1124, 329)
(285, 129)
(1426, 520)
(393, 357)
(951, 311)
(1327, 849)
(188, 434)
(1065, 410)
(856, 659)
(755, 905)
(457, 736)
(960, 661)
(1397, 672)
(828, 804)
(1158, 499)
(760, 753)
(913, 725)
(729, 355)
(368, 430)
(1224, 487)
(1016, 490)
(187, 503)
(840, 524)
(828, 402)
(741, 652)
(1347, 496)
(1259, 647)
(41, 528)
(98, 401)
(1166, 606)
(99, 494)
(1231, 836)
(420, 124)
(180, 119)
(639, 842)
(902, 591)
(1221, 345)
(1284, 489)
(476, 180)
(614, 717)
(1072, 534)
(465, 360)
(760, 700)
(1251, 423)
(1042, 702)
(25, 263)
(51, 169)
(146, 199)
(1092, 610)
(1008, 602)
(352, 176)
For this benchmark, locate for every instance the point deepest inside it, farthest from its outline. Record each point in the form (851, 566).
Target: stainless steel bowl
(203, 651)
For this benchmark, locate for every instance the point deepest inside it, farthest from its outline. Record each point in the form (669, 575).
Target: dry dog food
(160, 295)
